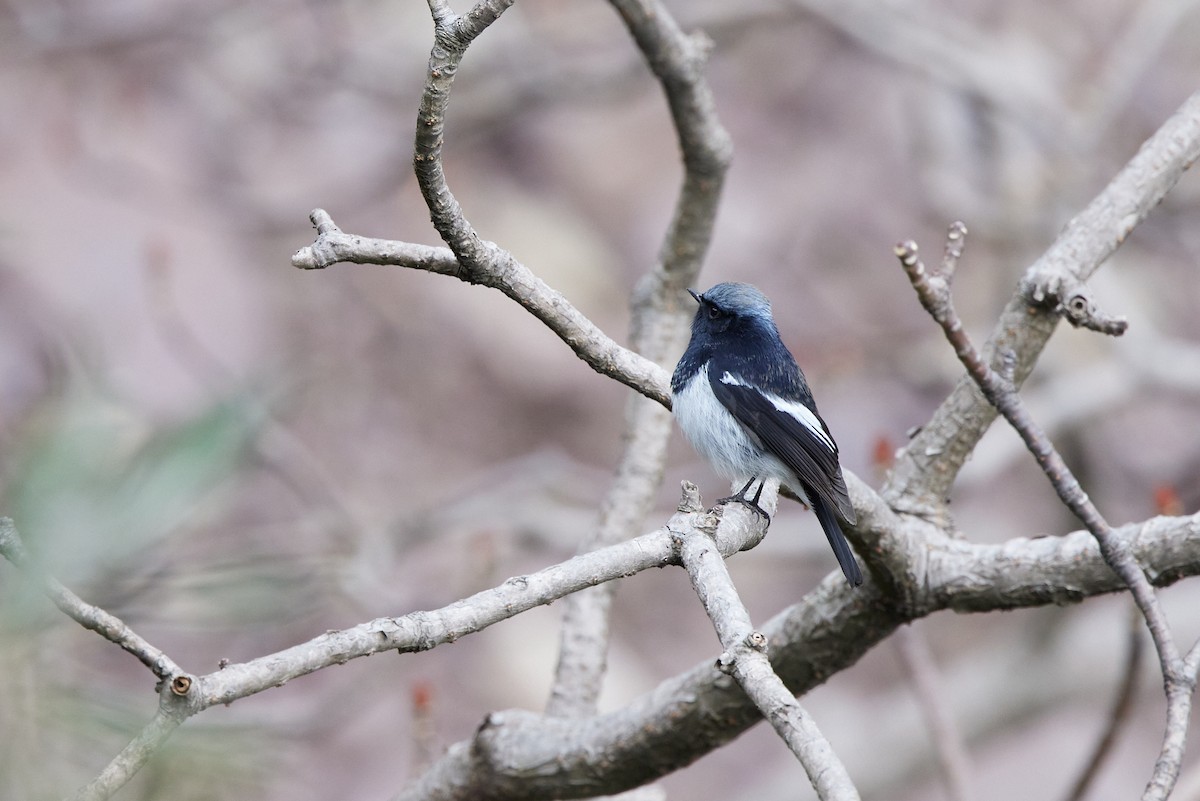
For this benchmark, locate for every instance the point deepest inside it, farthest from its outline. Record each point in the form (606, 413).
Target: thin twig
(933, 290)
(948, 743)
(926, 469)
(1117, 715)
(91, 617)
(505, 273)
(333, 245)
(131, 759)
(522, 755)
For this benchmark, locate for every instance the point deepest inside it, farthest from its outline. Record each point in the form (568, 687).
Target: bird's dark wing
(793, 432)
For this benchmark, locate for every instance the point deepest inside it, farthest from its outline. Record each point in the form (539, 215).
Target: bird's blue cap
(736, 298)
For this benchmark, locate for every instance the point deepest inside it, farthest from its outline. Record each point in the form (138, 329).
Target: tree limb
(933, 290)
(948, 745)
(745, 658)
(1118, 713)
(132, 757)
(523, 755)
(93, 618)
(823, 634)
(518, 754)
(657, 328)
(926, 469)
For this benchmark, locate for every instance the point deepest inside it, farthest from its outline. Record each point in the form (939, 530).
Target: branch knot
(1072, 300)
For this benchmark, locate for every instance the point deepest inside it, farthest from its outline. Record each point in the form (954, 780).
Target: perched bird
(743, 403)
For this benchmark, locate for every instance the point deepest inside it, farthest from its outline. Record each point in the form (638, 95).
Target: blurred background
(234, 456)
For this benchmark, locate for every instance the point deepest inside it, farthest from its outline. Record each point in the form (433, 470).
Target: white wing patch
(799, 411)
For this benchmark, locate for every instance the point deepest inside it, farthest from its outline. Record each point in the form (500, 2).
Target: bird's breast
(713, 431)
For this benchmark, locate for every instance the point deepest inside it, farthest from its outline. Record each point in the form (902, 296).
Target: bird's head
(730, 308)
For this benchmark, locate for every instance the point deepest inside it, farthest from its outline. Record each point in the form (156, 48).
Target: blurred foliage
(92, 487)
(98, 493)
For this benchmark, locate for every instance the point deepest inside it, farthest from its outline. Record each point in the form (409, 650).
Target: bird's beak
(694, 294)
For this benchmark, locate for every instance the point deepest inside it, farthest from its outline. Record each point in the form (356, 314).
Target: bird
(744, 405)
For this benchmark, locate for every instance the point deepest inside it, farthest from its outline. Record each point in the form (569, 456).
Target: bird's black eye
(714, 313)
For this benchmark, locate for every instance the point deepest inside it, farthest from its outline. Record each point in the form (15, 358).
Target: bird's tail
(833, 531)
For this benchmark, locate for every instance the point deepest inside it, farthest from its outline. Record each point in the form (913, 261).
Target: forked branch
(933, 290)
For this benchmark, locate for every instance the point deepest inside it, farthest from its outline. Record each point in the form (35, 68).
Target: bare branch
(420, 631)
(1097, 231)
(452, 35)
(91, 617)
(948, 744)
(1117, 715)
(933, 290)
(521, 755)
(658, 325)
(825, 633)
(512, 278)
(333, 246)
(132, 757)
(927, 467)
(476, 260)
(745, 658)
(477, 19)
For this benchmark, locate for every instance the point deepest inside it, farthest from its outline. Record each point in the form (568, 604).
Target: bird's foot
(749, 503)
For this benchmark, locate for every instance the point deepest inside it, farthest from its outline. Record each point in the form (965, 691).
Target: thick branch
(933, 290)
(527, 756)
(690, 715)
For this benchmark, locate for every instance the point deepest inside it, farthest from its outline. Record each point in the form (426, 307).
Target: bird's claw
(749, 503)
